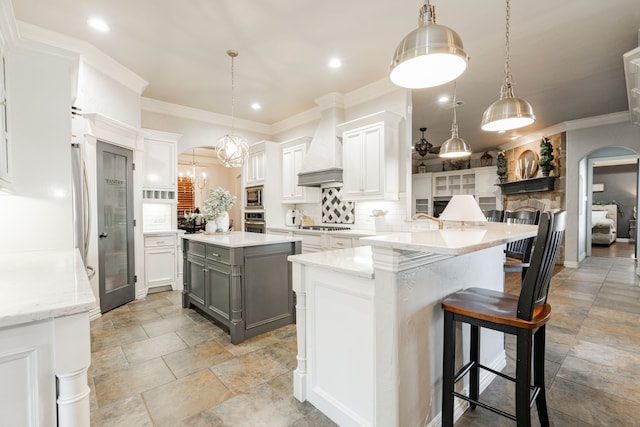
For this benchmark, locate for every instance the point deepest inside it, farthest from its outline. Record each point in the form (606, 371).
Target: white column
(72, 360)
(300, 373)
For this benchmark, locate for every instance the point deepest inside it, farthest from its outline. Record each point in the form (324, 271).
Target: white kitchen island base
(370, 326)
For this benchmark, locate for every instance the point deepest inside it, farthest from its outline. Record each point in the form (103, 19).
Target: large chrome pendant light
(231, 149)
(454, 146)
(508, 112)
(428, 56)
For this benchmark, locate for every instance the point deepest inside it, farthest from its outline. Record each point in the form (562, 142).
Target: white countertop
(455, 241)
(348, 233)
(239, 239)
(355, 261)
(42, 285)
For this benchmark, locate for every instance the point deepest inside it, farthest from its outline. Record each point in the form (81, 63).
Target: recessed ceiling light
(443, 99)
(335, 63)
(256, 106)
(98, 24)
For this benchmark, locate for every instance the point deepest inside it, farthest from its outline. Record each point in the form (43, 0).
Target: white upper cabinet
(487, 180)
(160, 164)
(293, 154)
(5, 147)
(254, 167)
(370, 159)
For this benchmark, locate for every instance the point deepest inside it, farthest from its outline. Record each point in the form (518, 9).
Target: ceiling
(566, 57)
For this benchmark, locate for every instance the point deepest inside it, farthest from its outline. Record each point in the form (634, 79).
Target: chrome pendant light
(454, 146)
(508, 112)
(232, 150)
(428, 56)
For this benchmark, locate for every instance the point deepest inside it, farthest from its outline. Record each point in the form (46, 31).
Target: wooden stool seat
(496, 307)
(524, 316)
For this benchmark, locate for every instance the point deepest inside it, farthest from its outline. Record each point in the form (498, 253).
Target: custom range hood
(323, 161)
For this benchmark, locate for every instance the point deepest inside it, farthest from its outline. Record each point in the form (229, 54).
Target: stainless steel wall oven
(254, 222)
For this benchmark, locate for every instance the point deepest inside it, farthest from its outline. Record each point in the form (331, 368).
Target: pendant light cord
(454, 125)
(507, 65)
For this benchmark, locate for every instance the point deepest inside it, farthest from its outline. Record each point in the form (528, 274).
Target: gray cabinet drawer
(196, 249)
(218, 253)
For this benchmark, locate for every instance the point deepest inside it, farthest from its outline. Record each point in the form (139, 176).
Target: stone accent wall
(543, 200)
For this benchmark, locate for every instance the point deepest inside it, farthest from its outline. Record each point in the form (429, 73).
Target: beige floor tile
(153, 347)
(590, 405)
(201, 332)
(128, 412)
(164, 325)
(242, 374)
(131, 381)
(107, 360)
(192, 359)
(185, 397)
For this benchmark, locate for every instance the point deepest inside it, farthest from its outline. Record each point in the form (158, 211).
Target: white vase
(210, 226)
(222, 222)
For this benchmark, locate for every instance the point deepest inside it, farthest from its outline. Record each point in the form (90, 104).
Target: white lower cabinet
(161, 261)
(320, 241)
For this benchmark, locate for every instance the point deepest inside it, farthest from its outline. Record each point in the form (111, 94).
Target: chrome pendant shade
(508, 112)
(428, 56)
(455, 146)
(232, 150)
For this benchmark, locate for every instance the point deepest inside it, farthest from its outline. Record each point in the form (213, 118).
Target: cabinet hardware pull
(160, 243)
(204, 270)
(215, 254)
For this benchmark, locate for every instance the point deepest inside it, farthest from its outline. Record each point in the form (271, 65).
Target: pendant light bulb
(428, 56)
(508, 112)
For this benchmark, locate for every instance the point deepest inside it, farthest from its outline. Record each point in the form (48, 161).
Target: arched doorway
(199, 172)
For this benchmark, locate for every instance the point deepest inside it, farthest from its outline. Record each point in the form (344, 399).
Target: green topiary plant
(502, 166)
(546, 156)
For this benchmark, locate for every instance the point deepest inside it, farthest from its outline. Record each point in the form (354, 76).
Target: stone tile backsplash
(334, 209)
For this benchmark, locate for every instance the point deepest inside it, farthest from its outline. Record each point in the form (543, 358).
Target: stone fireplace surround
(542, 200)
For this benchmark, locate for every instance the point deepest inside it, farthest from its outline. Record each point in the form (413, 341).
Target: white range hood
(323, 161)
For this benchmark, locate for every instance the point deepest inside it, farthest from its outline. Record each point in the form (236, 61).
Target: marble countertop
(355, 261)
(454, 241)
(239, 239)
(347, 233)
(42, 285)
(161, 233)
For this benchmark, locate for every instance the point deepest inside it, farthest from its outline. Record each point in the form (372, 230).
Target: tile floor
(155, 364)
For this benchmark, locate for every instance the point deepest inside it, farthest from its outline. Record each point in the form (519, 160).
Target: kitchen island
(241, 280)
(369, 321)
(45, 351)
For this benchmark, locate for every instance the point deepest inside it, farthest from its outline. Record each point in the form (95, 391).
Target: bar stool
(518, 253)
(524, 316)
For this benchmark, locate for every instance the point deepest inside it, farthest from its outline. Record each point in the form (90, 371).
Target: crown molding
(589, 122)
(369, 92)
(88, 53)
(167, 108)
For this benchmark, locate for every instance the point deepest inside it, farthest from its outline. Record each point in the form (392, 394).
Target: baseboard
(94, 313)
(141, 293)
(571, 264)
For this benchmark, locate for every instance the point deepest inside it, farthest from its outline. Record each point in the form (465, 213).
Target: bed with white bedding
(604, 222)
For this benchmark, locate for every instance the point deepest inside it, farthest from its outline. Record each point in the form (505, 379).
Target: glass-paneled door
(115, 225)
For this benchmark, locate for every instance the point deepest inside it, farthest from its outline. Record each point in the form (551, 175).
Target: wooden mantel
(545, 183)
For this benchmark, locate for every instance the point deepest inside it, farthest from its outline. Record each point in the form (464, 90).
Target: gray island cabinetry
(241, 280)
